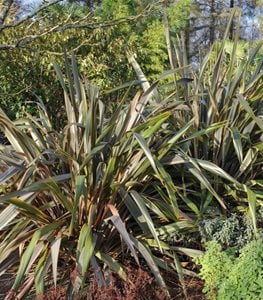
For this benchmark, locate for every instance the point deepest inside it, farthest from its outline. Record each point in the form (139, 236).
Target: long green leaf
(55, 247)
(112, 264)
(119, 225)
(146, 150)
(29, 209)
(85, 250)
(29, 251)
(147, 218)
(237, 143)
(35, 187)
(249, 110)
(251, 197)
(150, 261)
(80, 191)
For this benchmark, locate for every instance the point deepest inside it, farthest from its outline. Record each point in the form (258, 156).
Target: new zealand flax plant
(76, 200)
(221, 156)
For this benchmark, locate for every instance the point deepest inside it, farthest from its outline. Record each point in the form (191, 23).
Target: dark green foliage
(234, 231)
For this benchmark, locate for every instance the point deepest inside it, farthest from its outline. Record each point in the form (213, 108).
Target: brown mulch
(6, 282)
(194, 287)
(140, 285)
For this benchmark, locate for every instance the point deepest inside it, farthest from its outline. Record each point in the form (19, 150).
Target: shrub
(215, 267)
(233, 231)
(228, 277)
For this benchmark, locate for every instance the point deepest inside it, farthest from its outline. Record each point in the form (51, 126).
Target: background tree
(99, 37)
(99, 33)
(209, 18)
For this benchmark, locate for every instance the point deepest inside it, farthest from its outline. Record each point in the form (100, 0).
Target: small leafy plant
(232, 278)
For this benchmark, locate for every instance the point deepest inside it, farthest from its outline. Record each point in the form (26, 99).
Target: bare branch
(29, 16)
(198, 28)
(23, 42)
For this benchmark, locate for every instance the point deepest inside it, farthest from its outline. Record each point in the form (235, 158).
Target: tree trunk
(212, 23)
(187, 40)
(231, 32)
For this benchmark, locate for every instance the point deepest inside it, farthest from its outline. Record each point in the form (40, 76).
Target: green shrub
(215, 267)
(246, 277)
(229, 277)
